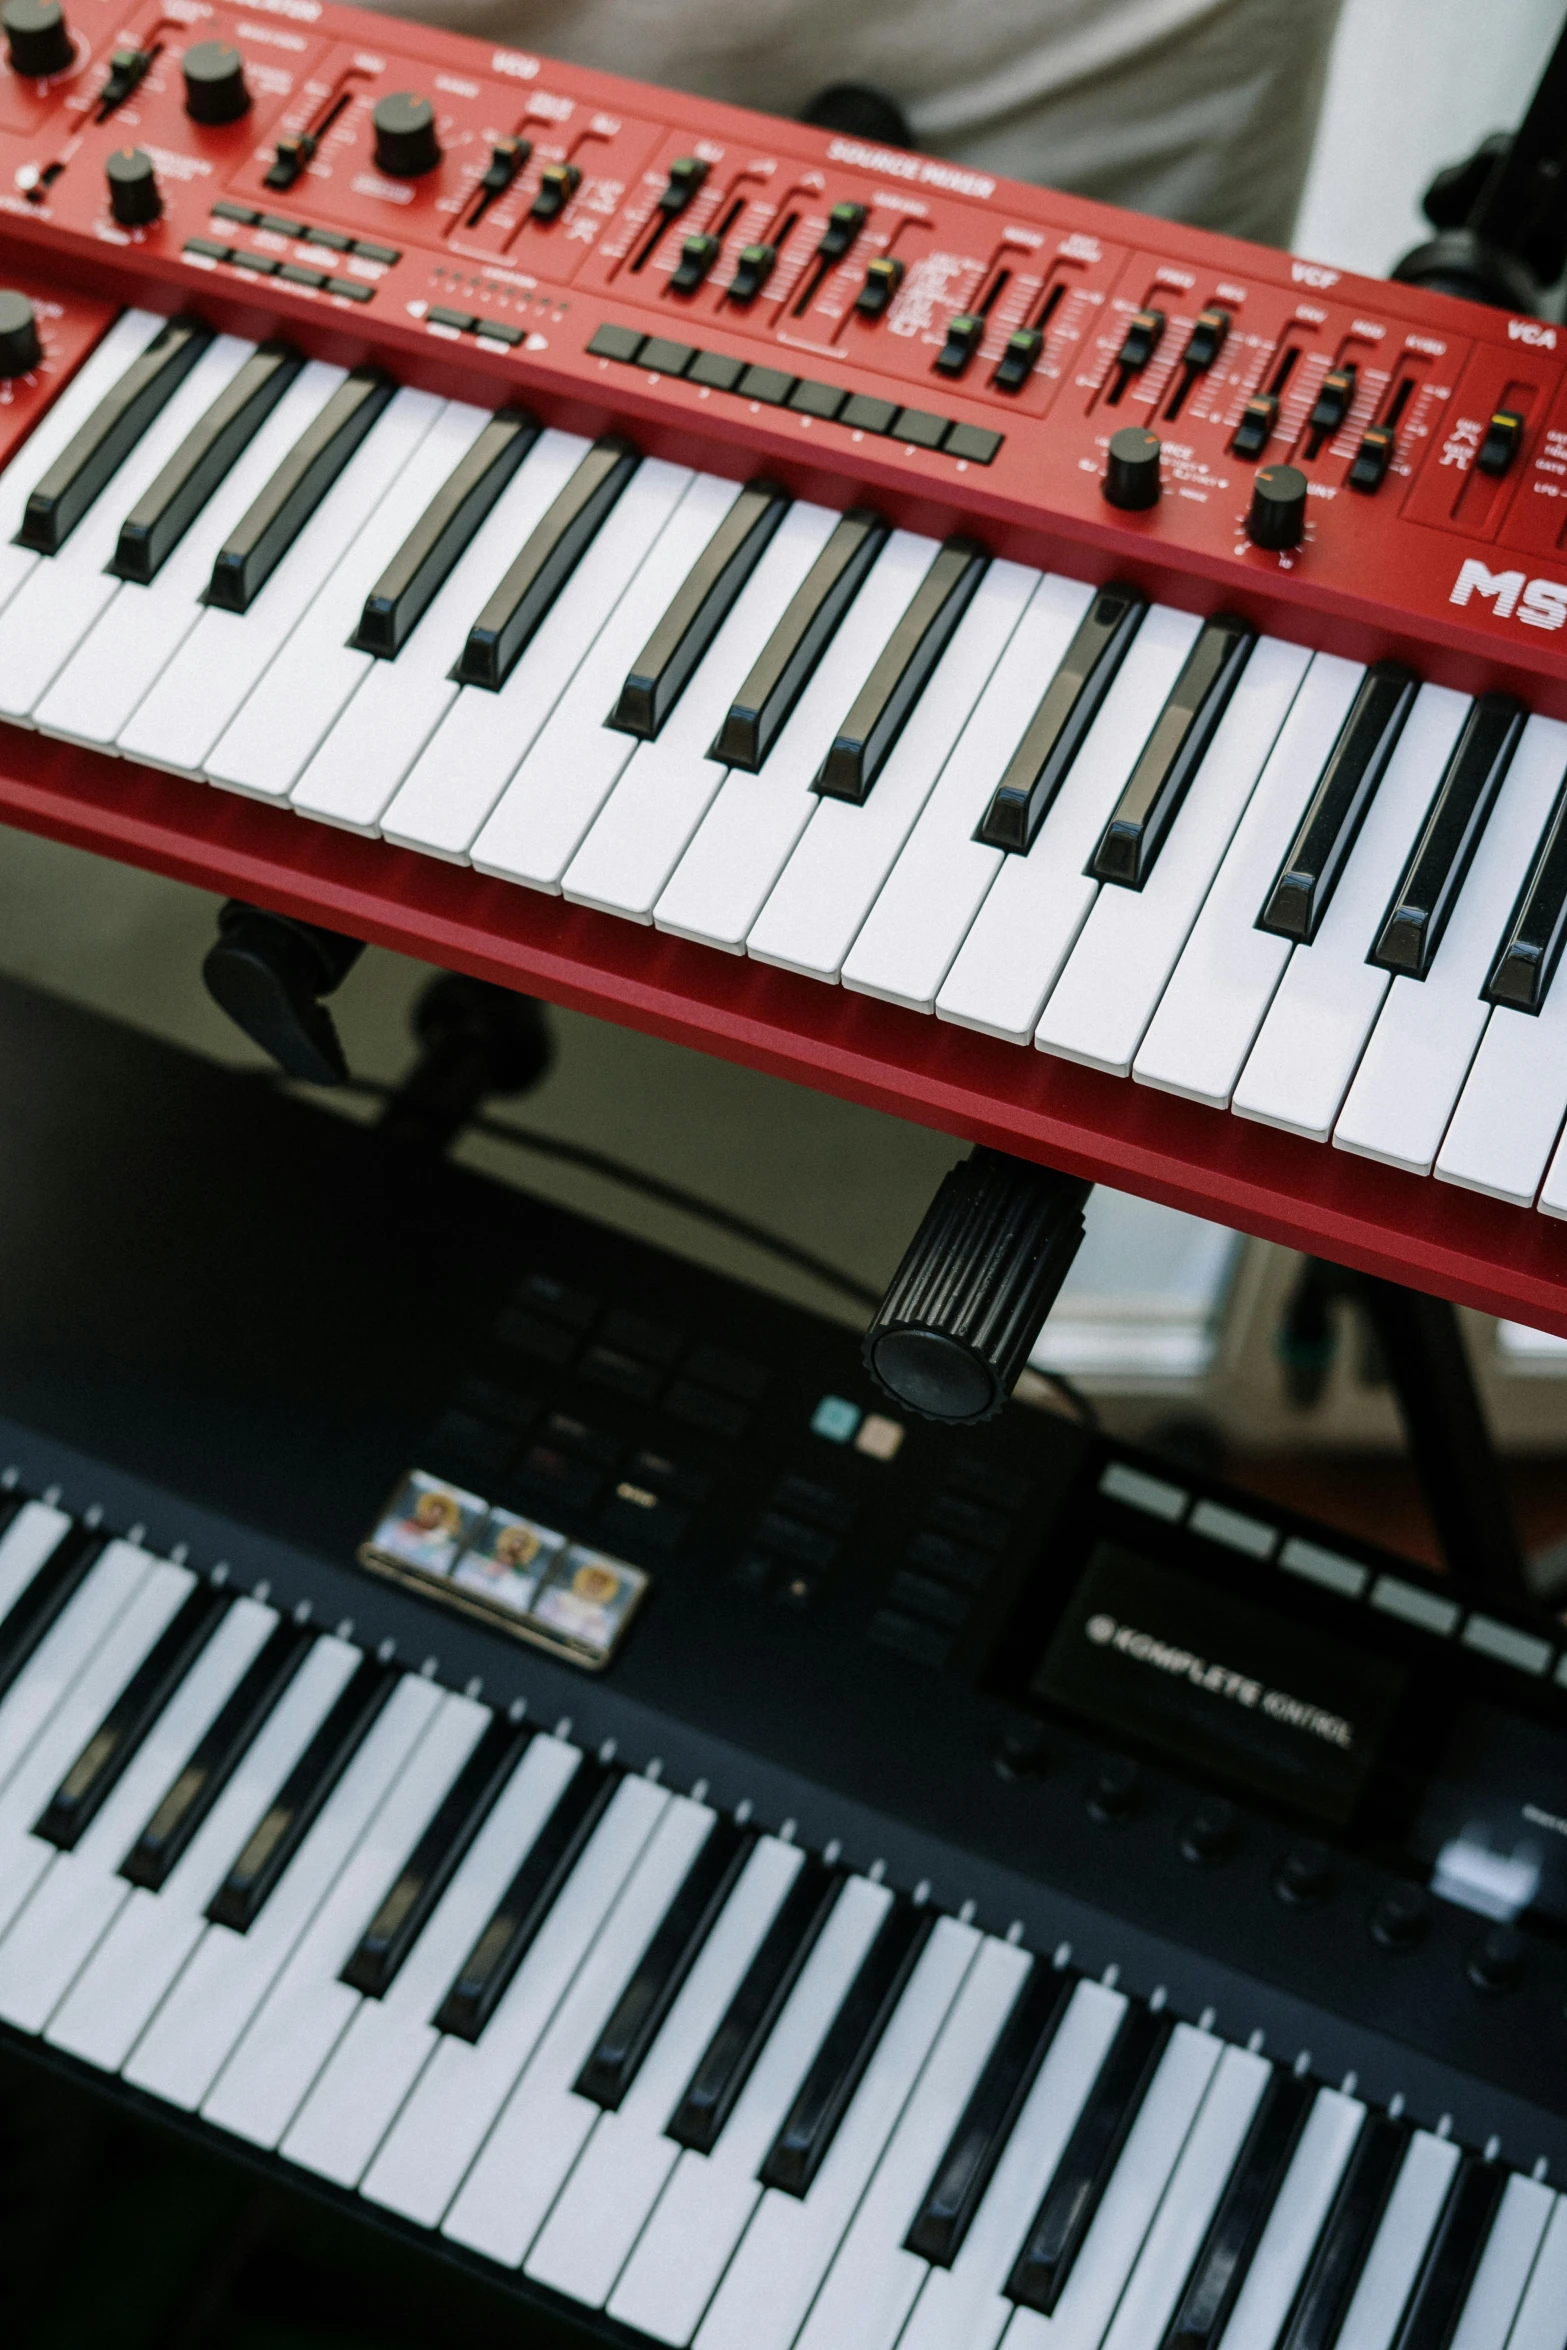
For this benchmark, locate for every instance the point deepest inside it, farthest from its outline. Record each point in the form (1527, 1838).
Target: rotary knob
(37, 40)
(134, 196)
(1132, 469)
(20, 348)
(965, 1307)
(1278, 507)
(215, 88)
(405, 140)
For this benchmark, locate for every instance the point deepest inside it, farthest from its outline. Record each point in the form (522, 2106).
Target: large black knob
(37, 41)
(134, 194)
(405, 140)
(967, 1303)
(215, 88)
(20, 348)
(1132, 469)
(1278, 507)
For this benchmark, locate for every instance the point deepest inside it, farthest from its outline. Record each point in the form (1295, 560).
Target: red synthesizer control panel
(867, 327)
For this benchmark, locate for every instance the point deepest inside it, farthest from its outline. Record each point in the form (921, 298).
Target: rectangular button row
(333, 239)
(778, 389)
(463, 322)
(292, 273)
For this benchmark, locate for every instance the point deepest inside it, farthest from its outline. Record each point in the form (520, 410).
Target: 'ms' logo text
(1538, 603)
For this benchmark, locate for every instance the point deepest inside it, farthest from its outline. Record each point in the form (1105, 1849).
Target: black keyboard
(995, 1887)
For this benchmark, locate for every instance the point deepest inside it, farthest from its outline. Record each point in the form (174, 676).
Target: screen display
(1220, 1682)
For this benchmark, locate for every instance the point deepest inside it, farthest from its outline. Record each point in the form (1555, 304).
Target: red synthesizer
(1091, 686)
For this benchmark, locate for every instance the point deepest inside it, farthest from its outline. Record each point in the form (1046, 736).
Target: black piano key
(1456, 2248)
(162, 514)
(1169, 760)
(759, 709)
(702, 604)
(1441, 856)
(1244, 2211)
(726, 2062)
(646, 2000)
(554, 548)
(45, 1598)
(421, 564)
(975, 2147)
(282, 1828)
(418, 1885)
(501, 1948)
(258, 543)
(198, 1784)
(83, 468)
(1356, 764)
(1073, 2196)
(851, 2041)
(97, 1770)
(884, 703)
(1531, 948)
(1347, 2236)
(1039, 766)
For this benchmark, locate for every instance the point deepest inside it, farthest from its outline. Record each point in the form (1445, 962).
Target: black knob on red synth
(37, 41)
(20, 348)
(134, 195)
(215, 88)
(965, 1307)
(1132, 469)
(405, 140)
(1278, 507)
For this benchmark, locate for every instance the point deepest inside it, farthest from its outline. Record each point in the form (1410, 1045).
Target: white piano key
(840, 864)
(642, 830)
(1504, 1129)
(23, 1856)
(96, 377)
(113, 1998)
(942, 873)
(1289, 2236)
(57, 603)
(1399, 2246)
(226, 653)
(702, 2213)
(298, 2024)
(544, 2125)
(604, 2204)
(870, 2287)
(963, 2307)
(1517, 2233)
(1223, 983)
(576, 761)
(740, 846)
(484, 737)
(1429, 1029)
(462, 2089)
(398, 704)
(1190, 2200)
(1310, 1042)
(1099, 1009)
(228, 1975)
(1542, 2319)
(33, 1535)
(65, 1651)
(789, 2245)
(123, 655)
(389, 2040)
(80, 1891)
(1136, 2188)
(1026, 927)
(268, 742)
